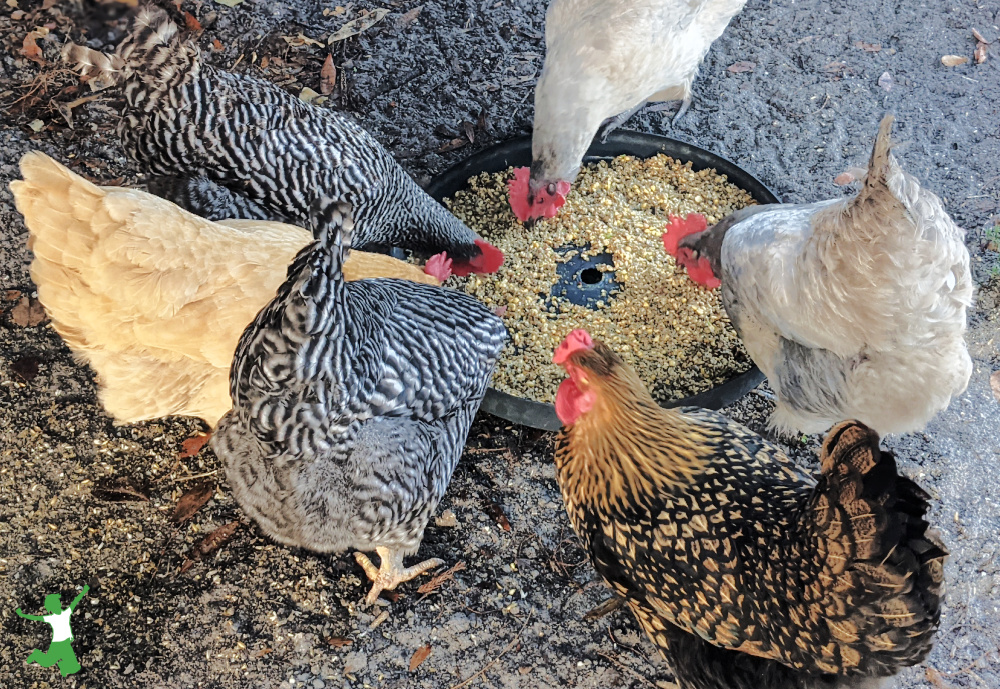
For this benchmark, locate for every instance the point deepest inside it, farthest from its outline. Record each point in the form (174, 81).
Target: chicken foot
(391, 573)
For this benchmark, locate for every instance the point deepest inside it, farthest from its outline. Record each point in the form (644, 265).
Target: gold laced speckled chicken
(745, 573)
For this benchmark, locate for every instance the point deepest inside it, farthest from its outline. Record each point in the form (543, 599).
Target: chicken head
(572, 400)
(699, 269)
(488, 260)
(531, 200)
(439, 266)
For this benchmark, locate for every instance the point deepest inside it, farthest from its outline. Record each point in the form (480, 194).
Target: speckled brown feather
(707, 528)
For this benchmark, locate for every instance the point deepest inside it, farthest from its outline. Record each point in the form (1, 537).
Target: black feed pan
(517, 153)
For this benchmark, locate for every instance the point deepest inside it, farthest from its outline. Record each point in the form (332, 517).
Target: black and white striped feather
(272, 151)
(352, 401)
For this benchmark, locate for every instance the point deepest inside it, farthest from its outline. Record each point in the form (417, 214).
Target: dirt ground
(255, 614)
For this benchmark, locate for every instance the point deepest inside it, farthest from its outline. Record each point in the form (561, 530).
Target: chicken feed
(674, 332)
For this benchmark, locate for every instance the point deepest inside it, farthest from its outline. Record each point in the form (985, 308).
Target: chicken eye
(551, 189)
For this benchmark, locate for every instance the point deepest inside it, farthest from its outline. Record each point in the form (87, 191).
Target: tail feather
(875, 518)
(880, 163)
(154, 52)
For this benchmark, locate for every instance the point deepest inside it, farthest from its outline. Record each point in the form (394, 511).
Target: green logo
(60, 651)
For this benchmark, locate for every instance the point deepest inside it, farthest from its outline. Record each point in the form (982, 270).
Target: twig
(628, 670)
(435, 583)
(466, 682)
(191, 478)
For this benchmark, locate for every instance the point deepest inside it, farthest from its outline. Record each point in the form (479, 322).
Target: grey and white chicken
(351, 405)
(853, 307)
(273, 153)
(606, 59)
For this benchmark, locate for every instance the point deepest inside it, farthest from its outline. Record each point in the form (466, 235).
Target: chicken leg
(391, 573)
(613, 123)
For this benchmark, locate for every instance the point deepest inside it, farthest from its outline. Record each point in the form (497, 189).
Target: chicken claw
(392, 573)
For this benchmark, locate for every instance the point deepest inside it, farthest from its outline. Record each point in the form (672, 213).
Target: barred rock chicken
(351, 405)
(606, 59)
(745, 573)
(155, 298)
(853, 308)
(273, 153)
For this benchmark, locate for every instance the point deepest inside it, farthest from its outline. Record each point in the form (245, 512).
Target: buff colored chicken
(745, 573)
(153, 297)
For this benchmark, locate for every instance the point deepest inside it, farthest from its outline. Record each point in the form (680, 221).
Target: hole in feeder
(591, 276)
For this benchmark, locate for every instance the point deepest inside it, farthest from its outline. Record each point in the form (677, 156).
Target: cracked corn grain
(674, 332)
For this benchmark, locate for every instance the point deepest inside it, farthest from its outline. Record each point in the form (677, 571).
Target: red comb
(577, 339)
(439, 265)
(678, 228)
(544, 206)
(489, 260)
(699, 270)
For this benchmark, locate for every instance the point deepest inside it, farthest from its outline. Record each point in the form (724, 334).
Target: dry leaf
(995, 384)
(886, 81)
(16, 15)
(264, 62)
(953, 60)
(210, 544)
(37, 125)
(30, 49)
(868, 47)
(980, 53)
(409, 17)
(339, 641)
(13, 294)
(231, 3)
(435, 582)
(495, 511)
(843, 178)
(328, 77)
(446, 520)
(192, 22)
(470, 131)
(192, 446)
(419, 656)
(25, 368)
(264, 651)
(216, 44)
(834, 66)
(979, 37)
(192, 501)
(452, 145)
(356, 26)
(738, 67)
(28, 313)
(301, 39)
(120, 489)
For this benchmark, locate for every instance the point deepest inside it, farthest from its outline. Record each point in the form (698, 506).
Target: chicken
(272, 152)
(853, 307)
(351, 405)
(153, 297)
(604, 58)
(742, 571)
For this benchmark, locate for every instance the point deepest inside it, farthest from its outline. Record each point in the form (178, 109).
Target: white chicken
(853, 307)
(606, 59)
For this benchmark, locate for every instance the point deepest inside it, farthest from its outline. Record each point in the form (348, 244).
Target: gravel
(253, 613)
